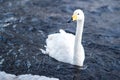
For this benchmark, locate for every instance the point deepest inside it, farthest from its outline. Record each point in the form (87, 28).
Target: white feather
(60, 46)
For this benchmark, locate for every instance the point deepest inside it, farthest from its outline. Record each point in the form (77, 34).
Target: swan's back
(60, 46)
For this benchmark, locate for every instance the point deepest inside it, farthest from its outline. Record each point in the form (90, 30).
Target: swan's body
(62, 44)
(66, 47)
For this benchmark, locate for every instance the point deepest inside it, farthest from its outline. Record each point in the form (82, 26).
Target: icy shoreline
(5, 76)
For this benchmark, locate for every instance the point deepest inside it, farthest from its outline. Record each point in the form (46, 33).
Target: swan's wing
(62, 31)
(60, 46)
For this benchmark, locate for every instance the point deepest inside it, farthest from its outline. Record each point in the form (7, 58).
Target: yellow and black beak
(73, 18)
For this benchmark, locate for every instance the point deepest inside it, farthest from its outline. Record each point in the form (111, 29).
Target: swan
(66, 47)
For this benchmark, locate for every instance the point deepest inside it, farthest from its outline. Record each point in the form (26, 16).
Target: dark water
(25, 24)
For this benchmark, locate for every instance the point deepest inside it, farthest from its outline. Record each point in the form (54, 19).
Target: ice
(5, 76)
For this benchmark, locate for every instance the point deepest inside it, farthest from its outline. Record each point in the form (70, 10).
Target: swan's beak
(73, 18)
(69, 21)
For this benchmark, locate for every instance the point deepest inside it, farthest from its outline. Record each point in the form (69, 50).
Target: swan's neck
(79, 55)
(79, 31)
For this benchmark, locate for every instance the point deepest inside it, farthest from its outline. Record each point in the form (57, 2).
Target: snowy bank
(5, 76)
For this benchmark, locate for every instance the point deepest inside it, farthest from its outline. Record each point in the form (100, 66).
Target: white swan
(66, 47)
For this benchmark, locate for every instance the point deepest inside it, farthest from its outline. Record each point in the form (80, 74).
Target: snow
(5, 76)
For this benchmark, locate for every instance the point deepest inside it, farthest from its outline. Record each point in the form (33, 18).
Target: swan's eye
(78, 14)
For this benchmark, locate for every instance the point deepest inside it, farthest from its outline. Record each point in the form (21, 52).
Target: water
(25, 24)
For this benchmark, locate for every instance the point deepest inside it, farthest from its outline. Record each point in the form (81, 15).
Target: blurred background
(25, 25)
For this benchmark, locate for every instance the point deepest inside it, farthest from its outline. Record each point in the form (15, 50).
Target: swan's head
(77, 15)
